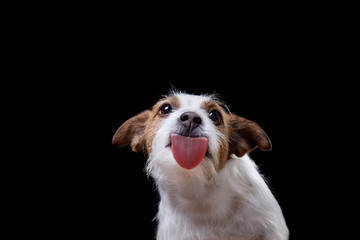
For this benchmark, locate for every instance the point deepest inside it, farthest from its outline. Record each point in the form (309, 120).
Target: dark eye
(215, 116)
(165, 109)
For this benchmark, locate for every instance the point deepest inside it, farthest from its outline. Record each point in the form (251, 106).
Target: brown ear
(246, 136)
(130, 132)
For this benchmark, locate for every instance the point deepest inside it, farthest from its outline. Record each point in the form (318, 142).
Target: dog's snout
(190, 120)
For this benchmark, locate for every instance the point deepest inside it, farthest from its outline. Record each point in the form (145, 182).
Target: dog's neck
(234, 198)
(210, 199)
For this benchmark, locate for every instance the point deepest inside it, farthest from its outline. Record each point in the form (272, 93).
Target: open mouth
(188, 151)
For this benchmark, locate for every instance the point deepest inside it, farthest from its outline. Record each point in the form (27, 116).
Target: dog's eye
(215, 116)
(165, 109)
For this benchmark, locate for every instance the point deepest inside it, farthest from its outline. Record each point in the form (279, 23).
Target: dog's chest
(217, 216)
(179, 227)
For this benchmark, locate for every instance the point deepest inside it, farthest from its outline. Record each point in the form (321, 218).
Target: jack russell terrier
(209, 187)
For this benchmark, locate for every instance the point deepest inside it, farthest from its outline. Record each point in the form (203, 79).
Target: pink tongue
(187, 151)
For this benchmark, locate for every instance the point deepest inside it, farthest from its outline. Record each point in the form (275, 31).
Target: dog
(198, 156)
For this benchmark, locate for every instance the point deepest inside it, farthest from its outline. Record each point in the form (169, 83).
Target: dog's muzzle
(189, 124)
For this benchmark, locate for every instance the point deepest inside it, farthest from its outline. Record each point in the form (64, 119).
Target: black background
(279, 71)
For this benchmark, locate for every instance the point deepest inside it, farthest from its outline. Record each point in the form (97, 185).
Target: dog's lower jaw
(233, 204)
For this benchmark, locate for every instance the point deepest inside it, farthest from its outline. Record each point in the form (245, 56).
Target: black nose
(190, 120)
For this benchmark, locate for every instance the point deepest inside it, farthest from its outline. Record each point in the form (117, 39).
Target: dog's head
(187, 132)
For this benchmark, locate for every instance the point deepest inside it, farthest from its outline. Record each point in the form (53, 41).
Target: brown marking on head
(130, 132)
(140, 130)
(241, 135)
(224, 127)
(246, 135)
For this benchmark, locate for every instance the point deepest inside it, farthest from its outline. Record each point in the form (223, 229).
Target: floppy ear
(246, 135)
(130, 132)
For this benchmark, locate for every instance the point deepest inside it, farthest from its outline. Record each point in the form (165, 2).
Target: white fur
(232, 204)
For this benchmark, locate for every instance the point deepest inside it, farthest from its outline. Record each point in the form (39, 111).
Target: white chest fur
(235, 204)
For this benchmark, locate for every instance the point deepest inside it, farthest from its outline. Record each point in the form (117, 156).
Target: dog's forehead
(192, 101)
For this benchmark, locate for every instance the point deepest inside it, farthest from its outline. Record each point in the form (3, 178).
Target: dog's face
(187, 132)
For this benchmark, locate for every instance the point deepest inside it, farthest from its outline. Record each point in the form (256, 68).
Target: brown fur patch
(130, 132)
(224, 128)
(246, 136)
(154, 121)
(140, 130)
